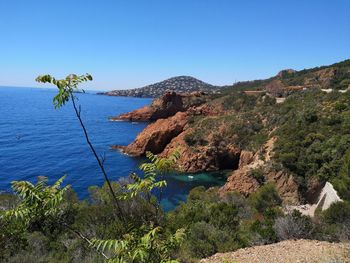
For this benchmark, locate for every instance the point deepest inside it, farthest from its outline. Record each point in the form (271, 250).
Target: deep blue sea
(37, 140)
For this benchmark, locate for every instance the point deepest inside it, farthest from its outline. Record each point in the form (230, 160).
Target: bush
(265, 199)
(293, 226)
(204, 239)
(335, 222)
(342, 182)
(212, 223)
(337, 213)
(258, 174)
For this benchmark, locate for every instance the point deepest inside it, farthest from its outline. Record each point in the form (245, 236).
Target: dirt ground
(290, 251)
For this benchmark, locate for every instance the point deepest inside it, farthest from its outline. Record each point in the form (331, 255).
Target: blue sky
(126, 44)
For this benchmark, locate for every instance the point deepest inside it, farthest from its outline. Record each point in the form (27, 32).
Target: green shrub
(342, 182)
(258, 174)
(265, 199)
(337, 213)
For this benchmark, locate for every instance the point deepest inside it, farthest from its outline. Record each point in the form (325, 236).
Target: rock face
(143, 114)
(284, 72)
(180, 84)
(205, 158)
(168, 105)
(285, 185)
(245, 158)
(240, 181)
(156, 136)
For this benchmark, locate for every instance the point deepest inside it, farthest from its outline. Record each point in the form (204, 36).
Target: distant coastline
(180, 84)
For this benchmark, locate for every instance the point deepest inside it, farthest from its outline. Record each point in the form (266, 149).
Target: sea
(38, 140)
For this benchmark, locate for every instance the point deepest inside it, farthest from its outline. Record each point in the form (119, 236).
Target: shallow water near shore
(37, 140)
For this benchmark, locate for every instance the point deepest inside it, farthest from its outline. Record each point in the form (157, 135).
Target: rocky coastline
(241, 129)
(169, 118)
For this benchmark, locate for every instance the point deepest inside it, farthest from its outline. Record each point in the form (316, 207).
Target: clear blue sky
(126, 44)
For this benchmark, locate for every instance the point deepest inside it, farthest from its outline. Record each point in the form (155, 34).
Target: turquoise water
(36, 139)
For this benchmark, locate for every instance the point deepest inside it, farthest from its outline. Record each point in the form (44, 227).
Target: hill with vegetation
(335, 76)
(180, 84)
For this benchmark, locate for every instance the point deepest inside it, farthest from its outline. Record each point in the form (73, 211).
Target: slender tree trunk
(100, 164)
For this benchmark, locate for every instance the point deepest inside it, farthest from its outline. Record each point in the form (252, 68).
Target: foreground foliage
(204, 225)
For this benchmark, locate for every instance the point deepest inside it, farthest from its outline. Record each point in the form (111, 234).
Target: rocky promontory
(168, 105)
(156, 136)
(170, 115)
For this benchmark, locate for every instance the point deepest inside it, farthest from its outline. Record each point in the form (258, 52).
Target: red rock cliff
(166, 106)
(156, 136)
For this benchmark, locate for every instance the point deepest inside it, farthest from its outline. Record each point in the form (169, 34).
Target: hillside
(180, 84)
(335, 76)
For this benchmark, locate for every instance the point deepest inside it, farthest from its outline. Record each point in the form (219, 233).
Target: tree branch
(84, 238)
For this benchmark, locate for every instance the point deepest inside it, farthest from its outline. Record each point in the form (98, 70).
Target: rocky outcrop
(156, 136)
(166, 106)
(240, 181)
(202, 158)
(245, 158)
(285, 186)
(243, 182)
(321, 78)
(143, 114)
(285, 72)
(204, 110)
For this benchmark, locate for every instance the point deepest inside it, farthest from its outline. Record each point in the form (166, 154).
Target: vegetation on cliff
(311, 128)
